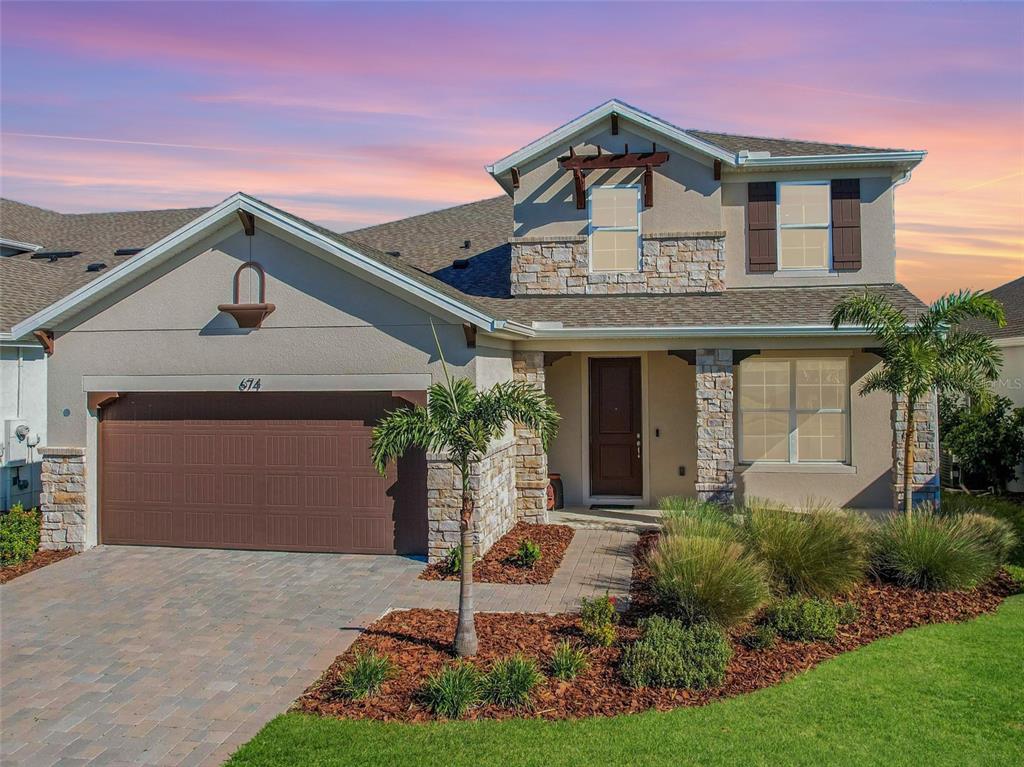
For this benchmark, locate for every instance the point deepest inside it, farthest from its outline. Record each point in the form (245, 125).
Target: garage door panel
(270, 471)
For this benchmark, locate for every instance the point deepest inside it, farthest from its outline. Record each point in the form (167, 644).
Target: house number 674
(249, 384)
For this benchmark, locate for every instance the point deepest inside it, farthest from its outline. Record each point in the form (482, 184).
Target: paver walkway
(132, 656)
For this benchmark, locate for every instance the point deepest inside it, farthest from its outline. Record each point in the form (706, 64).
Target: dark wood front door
(257, 470)
(615, 421)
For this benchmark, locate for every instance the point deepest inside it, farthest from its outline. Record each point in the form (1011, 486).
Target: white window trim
(591, 229)
(794, 441)
(802, 271)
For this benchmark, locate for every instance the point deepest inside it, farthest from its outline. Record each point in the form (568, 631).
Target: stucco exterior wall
(878, 233)
(865, 484)
(686, 196)
(22, 397)
(326, 322)
(1011, 384)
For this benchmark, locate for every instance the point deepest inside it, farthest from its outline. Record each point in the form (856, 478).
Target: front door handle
(637, 445)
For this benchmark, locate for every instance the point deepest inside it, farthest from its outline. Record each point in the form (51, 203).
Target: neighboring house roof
(1011, 296)
(732, 150)
(30, 284)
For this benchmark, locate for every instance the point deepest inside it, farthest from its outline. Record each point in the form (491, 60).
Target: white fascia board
(16, 244)
(195, 230)
(818, 161)
(625, 111)
(704, 331)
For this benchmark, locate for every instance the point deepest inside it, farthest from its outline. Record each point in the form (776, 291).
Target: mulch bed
(497, 565)
(419, 643)
(39, 559)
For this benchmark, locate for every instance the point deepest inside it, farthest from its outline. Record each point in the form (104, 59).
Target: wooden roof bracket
(98, 399)
(615, 124)
(550, 358)
(45, 339)
(579, 189)
(470, 331)
(248, 222)
(648, 186)
(718, 170)
(515, 178)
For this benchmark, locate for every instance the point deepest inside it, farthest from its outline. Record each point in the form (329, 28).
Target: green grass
(947, 694)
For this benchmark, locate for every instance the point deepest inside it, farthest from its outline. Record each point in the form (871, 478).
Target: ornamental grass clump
(368, 672)
(804, 620)
(567, 662)
(453, 690)
(931, 552)
(692, 517)
(671, 654)
(597, 620)
(820, 552)
(699, 579)
(511, 682)
(996, 536)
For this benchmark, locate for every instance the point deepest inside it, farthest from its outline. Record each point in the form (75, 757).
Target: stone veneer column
(531, 460)
(62, 501)
(925, 479)
(716, 465)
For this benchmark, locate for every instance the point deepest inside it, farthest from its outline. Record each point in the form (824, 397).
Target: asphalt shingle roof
(782, 147)
(1011, 296)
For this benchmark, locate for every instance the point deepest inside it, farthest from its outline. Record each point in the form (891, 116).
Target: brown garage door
(256, 470)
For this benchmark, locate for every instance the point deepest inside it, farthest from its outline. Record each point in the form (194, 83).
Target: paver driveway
(131, 656)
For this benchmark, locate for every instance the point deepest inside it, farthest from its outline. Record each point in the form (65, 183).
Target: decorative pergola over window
(581, 164)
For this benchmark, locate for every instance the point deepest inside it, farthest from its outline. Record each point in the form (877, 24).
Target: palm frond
(966, 350)
(522, 403)
(400, 430)
(874, 312)
(953, 308)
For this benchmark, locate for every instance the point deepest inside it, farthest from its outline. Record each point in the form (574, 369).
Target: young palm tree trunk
(908, 459)
(465, 634)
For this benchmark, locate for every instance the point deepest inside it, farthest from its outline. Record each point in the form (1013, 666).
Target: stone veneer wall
(925, 480)
(494, 488)
(674, 262)
(531, 460)
(716, 463)
(62, 501)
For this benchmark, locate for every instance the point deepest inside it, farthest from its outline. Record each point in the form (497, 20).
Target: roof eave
(909, 160)
(680, 331)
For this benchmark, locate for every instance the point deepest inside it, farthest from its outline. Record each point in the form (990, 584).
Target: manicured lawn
(947, 694)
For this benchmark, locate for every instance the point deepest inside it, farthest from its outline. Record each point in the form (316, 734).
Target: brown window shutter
(762, 244)
(846, 224)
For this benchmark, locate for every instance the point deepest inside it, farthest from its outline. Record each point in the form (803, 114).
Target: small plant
(450, 692)
(820, 552)
(453, 560)
(849, 613)
(670, 654)
(928, 551)
(365, 676)
(511, 682)
(701, 579)
(567, 662)
(528, 554)
(19, 535)
(760, 637)
(597, 619)
(804, 620)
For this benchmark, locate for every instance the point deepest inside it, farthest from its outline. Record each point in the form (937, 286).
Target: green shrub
(453, 560)
(928, 551)
(597, 619)
(365, 676)
(567, 662)
(19, 535)
(669, 654)
(511, 681)
(820, 552)
(804, 620)
(995, 535)
(528, 554)
(957, 504)
(452, 690)
(701, 579)
(1016, 572)
(849, 613)
(987, 439)
(690, 517)
(760, 637)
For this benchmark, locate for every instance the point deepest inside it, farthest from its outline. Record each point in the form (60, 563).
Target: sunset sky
(352, 114)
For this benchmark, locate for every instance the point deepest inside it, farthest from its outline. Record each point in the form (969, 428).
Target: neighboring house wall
(877, 223)
(22, 398)
(1011, 384)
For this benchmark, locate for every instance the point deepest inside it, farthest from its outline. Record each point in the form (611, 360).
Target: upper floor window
(804, 225)
(794, 410)
(615, 228)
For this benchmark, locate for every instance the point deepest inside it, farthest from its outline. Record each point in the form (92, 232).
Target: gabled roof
(732, 150)
(1011, 296)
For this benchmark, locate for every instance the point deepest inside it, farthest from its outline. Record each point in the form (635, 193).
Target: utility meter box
(17, 436)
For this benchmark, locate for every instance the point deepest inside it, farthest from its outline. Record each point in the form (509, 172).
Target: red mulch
(419, 643)
(497, 565)
(39, 559)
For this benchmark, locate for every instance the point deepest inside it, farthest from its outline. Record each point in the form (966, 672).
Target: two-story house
(670, 289)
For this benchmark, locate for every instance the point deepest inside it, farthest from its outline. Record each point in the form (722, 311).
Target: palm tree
(929, 354)
(463, 422)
